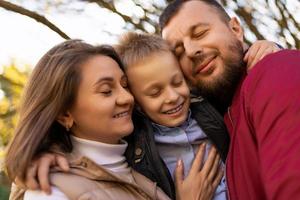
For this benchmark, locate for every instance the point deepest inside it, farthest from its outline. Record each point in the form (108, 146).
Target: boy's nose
(172, 96)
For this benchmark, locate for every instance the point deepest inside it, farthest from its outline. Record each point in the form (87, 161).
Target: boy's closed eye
(177, 81)
(154, 92)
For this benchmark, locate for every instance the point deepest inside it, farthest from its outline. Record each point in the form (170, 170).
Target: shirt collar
(163, 130)
(101, 153)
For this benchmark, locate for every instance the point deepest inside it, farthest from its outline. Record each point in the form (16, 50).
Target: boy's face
(158, 86)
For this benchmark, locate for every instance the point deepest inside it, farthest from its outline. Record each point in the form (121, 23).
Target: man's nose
(192, 49)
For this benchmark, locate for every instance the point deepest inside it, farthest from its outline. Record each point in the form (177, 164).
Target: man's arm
(272, 103)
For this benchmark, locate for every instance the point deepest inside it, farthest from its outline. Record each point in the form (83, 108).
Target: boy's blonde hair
(135, 47)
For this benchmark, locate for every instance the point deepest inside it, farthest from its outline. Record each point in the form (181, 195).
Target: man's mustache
(197, 60)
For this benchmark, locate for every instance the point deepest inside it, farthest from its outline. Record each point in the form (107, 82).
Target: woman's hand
(202, 181)
(37, 175)
(258, 51)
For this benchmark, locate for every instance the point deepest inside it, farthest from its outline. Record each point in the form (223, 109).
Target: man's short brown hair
(135, 47)
(173, 8)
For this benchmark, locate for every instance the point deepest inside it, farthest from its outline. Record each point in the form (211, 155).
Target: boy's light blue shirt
(183, 142)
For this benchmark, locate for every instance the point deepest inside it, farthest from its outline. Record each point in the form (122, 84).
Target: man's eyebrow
(190, 30)
(200, 24)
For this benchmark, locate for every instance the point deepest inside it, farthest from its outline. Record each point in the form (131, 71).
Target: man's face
(208, 48)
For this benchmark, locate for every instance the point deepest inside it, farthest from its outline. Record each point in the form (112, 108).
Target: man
(263, 107)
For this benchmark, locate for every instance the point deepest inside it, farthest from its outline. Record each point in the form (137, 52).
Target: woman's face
(103, 106)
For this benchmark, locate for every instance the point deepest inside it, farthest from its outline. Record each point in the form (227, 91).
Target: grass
(4, 193)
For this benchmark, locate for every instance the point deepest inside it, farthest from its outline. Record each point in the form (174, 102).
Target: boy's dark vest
(143, 156)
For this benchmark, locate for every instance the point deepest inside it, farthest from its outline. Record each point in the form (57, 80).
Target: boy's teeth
(174, 110)
(121, 115)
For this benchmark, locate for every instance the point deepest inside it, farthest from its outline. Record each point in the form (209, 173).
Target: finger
(275, 48)
(263, 48)
(245, 59)
(218, 178)
(209, 161)
(179, 174)
(30, 179)
(62, 162)
(43, 172)
(260, 55)
(251, 60)
(19, 183)
(214, 170)
(251, 52)
(267, 53)
(197, 163)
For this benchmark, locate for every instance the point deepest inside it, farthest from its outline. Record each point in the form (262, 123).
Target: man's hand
(258, 51)
(201, 182)
(37, 175)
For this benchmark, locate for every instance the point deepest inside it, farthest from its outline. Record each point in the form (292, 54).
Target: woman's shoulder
(56, 194)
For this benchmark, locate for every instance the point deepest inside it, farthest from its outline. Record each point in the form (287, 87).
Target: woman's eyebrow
(103, 79)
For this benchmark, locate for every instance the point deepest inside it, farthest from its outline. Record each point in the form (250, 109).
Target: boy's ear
(236, 28)
(66, 120)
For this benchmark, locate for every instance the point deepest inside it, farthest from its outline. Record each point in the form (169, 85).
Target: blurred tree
(276, 20)
(12, 81)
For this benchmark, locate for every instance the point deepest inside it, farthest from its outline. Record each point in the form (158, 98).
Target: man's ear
(236, 28)
(66, 120)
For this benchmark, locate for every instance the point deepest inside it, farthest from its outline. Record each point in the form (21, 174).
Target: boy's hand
(37, 175)
(258, 51)
(201, 182)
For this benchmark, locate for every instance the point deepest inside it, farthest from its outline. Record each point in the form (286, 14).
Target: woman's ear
(66, 120)
(236, 28)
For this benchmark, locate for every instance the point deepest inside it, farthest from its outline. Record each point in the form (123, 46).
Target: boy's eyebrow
(150, 86)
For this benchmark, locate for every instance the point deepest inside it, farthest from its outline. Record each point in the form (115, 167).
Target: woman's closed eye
(104, 89)
(108, 92)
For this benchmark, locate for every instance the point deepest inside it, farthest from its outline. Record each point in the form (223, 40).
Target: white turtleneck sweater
(109, 156)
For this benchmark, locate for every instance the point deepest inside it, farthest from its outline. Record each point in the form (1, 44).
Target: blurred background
(30, 27)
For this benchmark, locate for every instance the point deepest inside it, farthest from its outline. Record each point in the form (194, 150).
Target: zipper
(231, 121)
(226, 178)
(229, 116)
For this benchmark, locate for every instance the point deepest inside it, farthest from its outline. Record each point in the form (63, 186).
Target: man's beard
(220, 91)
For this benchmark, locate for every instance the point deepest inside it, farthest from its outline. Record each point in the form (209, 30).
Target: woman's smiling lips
(122, 114)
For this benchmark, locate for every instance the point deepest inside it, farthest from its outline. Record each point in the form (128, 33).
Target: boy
(163, 96)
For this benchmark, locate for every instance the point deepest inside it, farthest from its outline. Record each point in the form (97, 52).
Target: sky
(24, 40)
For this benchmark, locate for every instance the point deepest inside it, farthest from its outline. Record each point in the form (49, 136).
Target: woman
(77, 100)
